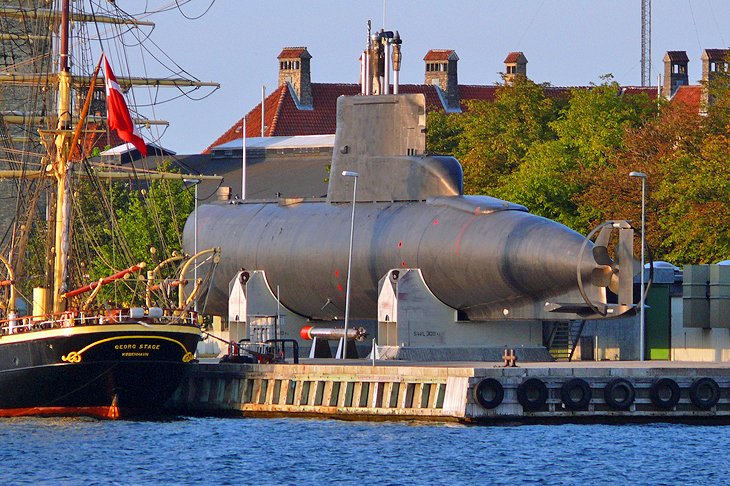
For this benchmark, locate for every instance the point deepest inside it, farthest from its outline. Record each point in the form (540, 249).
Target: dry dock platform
(467, 392)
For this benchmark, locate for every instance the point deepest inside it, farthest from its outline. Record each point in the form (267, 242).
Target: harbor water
(300, 451)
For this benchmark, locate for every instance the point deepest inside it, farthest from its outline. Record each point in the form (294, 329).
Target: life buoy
(704, 393)
(532, 394)
(664, 393)
(619, 394)
(576, 394)
(489, 393)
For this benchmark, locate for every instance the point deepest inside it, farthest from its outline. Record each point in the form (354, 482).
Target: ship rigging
(70, 350)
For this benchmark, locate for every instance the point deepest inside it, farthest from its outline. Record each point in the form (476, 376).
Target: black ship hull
(109, 371)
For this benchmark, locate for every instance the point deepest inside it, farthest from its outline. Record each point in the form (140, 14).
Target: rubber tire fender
(528, 388)
(701, 402)
(617, 384)
(567, 399)
(663, 384)
(484, 386)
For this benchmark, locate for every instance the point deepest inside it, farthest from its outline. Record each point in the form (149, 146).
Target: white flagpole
(243, 164)
(263, 101)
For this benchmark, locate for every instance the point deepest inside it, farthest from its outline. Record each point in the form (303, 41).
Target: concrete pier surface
(466, 392)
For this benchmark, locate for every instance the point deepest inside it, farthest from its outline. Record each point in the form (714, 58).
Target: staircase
(563, 339)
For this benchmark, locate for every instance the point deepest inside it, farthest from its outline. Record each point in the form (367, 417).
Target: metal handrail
(94, 318)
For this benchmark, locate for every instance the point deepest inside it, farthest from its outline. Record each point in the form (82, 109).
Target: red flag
(118, 116)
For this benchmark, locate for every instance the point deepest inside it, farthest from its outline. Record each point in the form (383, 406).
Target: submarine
(485, 258)
(396, 242)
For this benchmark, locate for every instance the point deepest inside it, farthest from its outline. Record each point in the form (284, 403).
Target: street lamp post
(195, 182)
(354, 175)
(642, 316)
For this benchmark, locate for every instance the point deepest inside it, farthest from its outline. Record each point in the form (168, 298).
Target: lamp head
(637, 174)
(349, 173)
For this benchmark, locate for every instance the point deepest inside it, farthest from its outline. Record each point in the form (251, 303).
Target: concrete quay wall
(462, 392)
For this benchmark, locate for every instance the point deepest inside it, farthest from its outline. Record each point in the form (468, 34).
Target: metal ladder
(563, 339)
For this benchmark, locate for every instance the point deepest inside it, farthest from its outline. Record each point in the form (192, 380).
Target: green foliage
(718, 113)
(443, 133)
(540, 183)
(694, 194)
(144, 214)
(688, 185)
(568, 159)
(593, 124)
(492, 138)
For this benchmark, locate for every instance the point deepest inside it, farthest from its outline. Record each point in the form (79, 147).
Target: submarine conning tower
(383, 139)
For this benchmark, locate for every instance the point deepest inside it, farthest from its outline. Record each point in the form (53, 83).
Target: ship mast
(60, 141)
(62, 167)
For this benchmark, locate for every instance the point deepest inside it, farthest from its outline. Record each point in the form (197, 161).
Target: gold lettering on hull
(130, 350)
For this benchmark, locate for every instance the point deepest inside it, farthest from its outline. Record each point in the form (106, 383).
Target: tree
(572, 165)
(443, 133)
(694, 194)
(718, 111)
(491, 138)
(593, 124)
(543, 183)
(688, 185)
(118, 228)
(555, 174)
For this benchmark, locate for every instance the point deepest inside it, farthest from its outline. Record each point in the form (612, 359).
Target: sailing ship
(71, 348)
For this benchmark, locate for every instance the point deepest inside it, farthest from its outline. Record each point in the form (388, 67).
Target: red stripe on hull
(112, 412)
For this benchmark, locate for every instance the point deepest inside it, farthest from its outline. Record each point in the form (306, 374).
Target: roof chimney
(675, 72)
(294, 70)
(441, 71)
(514, 64)
(713, 61)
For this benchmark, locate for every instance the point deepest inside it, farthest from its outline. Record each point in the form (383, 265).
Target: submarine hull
(488, 258)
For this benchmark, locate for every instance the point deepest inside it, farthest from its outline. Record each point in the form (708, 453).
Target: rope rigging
(100, 239)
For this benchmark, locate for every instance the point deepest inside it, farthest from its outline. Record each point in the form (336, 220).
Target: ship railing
(95, 317)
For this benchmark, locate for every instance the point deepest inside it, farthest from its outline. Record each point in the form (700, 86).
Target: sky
(566, 42)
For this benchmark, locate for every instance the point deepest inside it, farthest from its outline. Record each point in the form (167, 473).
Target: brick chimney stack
(294, 69)
(675, 72)
(514, 64)
(441, 71)
(713, 62)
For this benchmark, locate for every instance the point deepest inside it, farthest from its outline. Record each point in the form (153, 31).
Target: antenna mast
(645, 42)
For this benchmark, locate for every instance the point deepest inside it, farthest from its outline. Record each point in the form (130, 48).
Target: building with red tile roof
(299, 107)
(688, 95)
(676, 85)
(441, 55)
